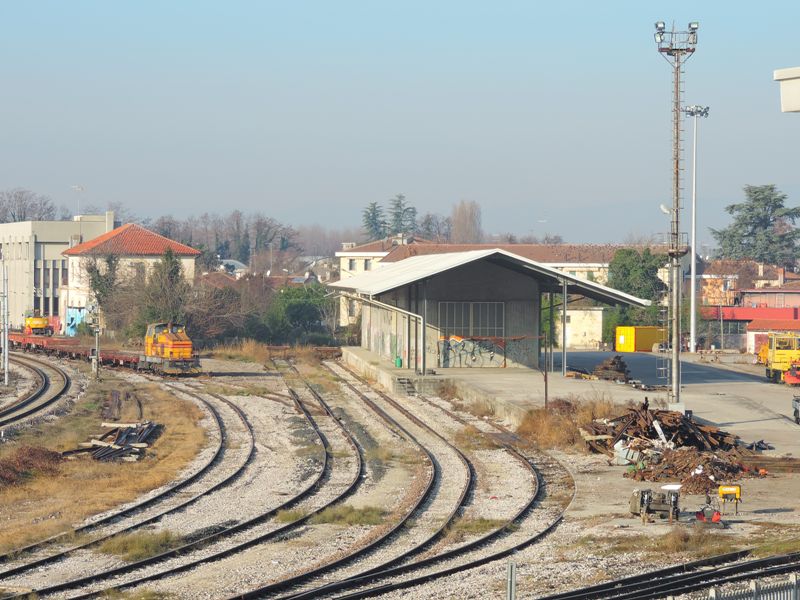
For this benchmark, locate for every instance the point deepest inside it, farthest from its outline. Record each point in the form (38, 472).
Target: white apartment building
(32, 251)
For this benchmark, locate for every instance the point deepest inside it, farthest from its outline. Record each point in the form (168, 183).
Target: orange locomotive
(168, 349)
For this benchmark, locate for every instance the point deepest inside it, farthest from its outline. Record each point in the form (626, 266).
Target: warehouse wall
(386, 332)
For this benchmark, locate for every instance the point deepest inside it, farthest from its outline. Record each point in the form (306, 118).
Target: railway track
(200, 545)
(388, 571)
(686, 578)
(418, 513)
(184, 486)
(44, 395)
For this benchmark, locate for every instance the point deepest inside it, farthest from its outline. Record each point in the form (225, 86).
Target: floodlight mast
(694, 111)
(676, 47)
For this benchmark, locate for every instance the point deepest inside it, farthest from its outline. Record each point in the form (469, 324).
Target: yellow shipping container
(638, 339)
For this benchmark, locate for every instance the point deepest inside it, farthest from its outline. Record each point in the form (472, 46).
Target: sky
(554, 117)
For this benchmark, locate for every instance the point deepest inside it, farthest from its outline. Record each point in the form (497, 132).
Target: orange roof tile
(130, 240)
(546, 253)
(774, 325)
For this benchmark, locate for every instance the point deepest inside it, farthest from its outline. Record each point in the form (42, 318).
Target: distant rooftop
(130, 240)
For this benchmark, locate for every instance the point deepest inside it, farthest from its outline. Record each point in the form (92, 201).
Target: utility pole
(694, 111)
(676, 47)
(5, 319)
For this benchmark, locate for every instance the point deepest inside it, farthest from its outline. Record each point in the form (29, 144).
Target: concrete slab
(733, 396)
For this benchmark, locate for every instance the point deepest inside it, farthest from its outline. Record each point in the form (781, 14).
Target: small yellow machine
(730, 493)
(168, 349)
(37, 325)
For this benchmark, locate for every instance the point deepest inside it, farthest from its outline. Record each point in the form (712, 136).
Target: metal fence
(780, 590)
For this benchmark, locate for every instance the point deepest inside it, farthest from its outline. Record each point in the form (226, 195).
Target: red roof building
(130, 240)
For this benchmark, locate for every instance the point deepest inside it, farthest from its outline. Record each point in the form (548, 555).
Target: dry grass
(290, 515)
(778, 547)
(26, 463)
(380, 453)
(466, 528)
(696, 542)
(344, 514)
(471, 438)
(46, 505)
(246, 350)
(136, 546)
(446, 390)
(558, 426)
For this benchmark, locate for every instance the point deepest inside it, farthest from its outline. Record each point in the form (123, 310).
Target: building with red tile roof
(136, 249)
(130, 240)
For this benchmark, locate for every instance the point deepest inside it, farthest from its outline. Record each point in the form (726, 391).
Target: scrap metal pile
(124, 441)
(612, 369)
(661, 445)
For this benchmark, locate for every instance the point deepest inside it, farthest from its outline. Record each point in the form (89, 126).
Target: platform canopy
(387, 277)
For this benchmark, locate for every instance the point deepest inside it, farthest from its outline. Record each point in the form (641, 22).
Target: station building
(479, 308)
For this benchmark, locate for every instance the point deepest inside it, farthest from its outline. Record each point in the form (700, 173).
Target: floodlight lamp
(660, 26)
(659, 37)
(664, 209)
(694, 26)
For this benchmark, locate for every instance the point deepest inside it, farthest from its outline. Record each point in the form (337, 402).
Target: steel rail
(31, 404)
(315, 485)
(135, 507)
(648, 585)
(467, 488)
(296, 580)
(388, 570)
(645, 579)
(150, 501)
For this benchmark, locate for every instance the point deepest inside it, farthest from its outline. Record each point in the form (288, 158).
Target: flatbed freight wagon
(638, 339)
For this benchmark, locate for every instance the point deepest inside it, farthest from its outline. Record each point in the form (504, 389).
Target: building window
(37, 280)
(568, 318)
(351, 308)
(590, 275)
(351, 264)
(472, 319)
(367, 264)
(64, 274)
(47, 277)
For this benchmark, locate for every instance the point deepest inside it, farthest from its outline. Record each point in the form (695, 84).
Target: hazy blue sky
(307, 111)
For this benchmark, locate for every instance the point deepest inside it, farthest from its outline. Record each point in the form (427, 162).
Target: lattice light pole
(676, 47)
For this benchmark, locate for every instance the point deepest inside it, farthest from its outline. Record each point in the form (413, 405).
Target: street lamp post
(694, 111)
(676, 47)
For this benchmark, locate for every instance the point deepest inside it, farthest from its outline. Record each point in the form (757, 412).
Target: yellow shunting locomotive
(168, 349)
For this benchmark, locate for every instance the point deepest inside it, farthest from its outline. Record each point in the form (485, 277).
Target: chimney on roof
(399, 239)
(348, 245)
(760, 269)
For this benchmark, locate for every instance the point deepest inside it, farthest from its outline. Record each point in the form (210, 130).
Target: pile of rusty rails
(73, 348)
(125, 441)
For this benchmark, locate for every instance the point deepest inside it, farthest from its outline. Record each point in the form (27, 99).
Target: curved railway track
(43, 396)
(387, 570)
(206, 469)
(316, 484)
(686, 578)
(380, 541)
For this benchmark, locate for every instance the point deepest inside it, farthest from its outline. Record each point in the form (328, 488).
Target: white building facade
(32, 252)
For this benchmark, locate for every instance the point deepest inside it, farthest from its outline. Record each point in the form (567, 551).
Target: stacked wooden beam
(124, 441)
(612, 369)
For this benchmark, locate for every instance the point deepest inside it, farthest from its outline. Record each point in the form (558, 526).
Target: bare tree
(19, 204)
(466, 223)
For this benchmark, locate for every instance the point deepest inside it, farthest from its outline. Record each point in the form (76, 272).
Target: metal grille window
(472, 319)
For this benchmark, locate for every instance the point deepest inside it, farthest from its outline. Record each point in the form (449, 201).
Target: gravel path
(20, 383)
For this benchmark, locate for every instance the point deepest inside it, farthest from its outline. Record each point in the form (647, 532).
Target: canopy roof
(387, 277)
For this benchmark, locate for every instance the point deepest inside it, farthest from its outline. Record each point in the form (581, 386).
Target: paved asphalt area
(643, 367)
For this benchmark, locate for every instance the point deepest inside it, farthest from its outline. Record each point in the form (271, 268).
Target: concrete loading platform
(733, 397)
